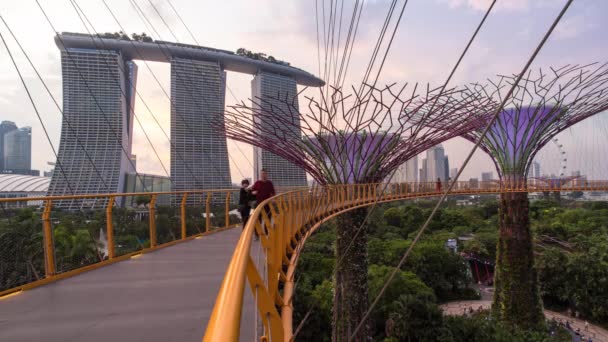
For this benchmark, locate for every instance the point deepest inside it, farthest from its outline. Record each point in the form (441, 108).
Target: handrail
(295, 216)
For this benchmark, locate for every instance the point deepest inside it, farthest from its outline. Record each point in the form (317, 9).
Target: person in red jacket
(263, 189)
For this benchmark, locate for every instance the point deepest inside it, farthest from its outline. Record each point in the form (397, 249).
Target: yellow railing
(294, 216)
(178, 203)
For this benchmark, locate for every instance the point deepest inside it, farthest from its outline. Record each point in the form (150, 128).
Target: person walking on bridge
(263, 189)
(245, 197)
(438, 185)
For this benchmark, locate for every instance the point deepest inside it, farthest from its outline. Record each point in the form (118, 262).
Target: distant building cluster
(16, 150)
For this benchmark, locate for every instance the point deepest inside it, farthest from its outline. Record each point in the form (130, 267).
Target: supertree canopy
(357, 138)
(542, 105)
(360, 138)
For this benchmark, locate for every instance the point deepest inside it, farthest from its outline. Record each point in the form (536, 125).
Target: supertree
(542, 105)
(357, 138)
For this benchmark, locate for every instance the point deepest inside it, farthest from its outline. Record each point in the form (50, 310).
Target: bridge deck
(166, 295)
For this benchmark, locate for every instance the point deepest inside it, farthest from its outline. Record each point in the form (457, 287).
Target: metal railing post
(227, 210)
(49, 247)
(110, 227)
(183, 215)
(153, 221)
(208, 213)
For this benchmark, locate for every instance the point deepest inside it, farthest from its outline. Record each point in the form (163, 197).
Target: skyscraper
(411, 170)
(423, 172)
(436, 164)
(487, 176)
(446, 168)
(265, 87)
(18, 149)
(199, 154)
(98, 88)
(5, 127)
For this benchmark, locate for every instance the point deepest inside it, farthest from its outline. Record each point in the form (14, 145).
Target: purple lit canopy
(541, 106)
(357, 138)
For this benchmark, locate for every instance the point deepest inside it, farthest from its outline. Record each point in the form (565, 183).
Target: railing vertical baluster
(153, 221)
(183, 215)
(208, 212)
(110, 227)
(49, 247)
(227, 210)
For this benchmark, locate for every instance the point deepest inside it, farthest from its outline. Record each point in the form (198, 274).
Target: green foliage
(482, 327)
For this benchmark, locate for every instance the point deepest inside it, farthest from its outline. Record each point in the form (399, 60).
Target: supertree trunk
(516, 297)
(350, 278)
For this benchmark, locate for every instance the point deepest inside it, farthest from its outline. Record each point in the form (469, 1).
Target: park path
(598, 334)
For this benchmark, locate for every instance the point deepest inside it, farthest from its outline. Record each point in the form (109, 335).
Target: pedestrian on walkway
(245, 197)
(438, 185)
(263, 189)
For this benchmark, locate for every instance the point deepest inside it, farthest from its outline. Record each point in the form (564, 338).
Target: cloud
(572, 27)
(482, 5)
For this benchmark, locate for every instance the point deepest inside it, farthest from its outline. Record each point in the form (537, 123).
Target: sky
(427, 44)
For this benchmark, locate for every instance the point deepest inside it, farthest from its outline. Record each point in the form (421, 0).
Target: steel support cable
(378, 44)
(92, 94)
(469, 156)
(227, 86)
(145, 19)
(318, 45)
(339, 40)
(350, 37)
(29, 95)
(70, 127)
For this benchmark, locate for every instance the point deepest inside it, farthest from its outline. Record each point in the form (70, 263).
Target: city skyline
(429, 62)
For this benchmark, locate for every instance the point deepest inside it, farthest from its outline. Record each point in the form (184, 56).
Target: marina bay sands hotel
(99, 91)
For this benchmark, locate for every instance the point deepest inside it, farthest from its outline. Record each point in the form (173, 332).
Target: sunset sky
(427, 44)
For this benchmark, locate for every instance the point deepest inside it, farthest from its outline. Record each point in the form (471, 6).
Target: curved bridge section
(285, 222)
(170, 293)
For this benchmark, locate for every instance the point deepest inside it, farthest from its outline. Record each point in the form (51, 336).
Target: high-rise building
(5, 127)
(486, 176)
(423, 171)
(411, 170)
(199, 154)
(453, 173)
(264, 88)
(98, 88)
(446, 168)
(400, 174)
(436, 164)
(18, 149)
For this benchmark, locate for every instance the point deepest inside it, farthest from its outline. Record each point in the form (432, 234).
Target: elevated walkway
(166, 295)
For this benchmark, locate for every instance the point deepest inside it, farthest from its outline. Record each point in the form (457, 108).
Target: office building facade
(199, 154)
(436, 164)
(98, 88)
(411, 170)
(265, 87)
(5, 127)
(18, 149)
